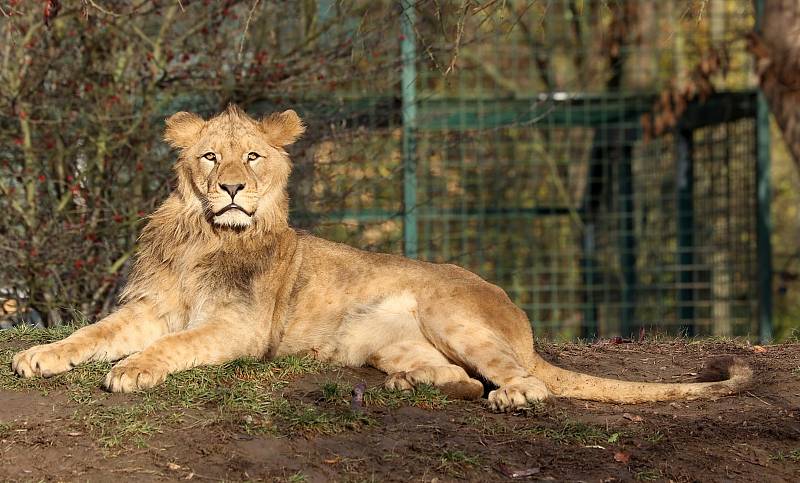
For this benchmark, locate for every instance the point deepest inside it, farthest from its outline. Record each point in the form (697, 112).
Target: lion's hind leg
(410, 363)
(485, 352)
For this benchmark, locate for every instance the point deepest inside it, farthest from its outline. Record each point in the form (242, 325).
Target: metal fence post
(763, 215)
(408, 47)
(685, 209)
(764, 221)
(627, 236)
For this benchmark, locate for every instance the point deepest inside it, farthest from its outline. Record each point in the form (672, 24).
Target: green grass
(458, 458)
(650, 474)
(25, 333)
(298, 477)
(486, 425)
(423, 396)
(5, 429)
(793, 456)
(455, 463)
(568, 431)
(654, 437)
(245, 394)
(556, 427)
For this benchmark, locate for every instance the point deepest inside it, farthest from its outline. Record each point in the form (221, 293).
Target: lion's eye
(210, 156)
(253, 156)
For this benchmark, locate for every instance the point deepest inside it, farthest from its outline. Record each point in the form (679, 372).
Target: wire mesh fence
(533, 160)
(603, 162)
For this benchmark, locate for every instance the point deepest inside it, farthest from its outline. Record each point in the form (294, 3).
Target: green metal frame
(764, 217)
(685, 181)
(408, 46)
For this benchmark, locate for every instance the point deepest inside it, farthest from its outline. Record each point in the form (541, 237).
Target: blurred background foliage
(85, 86)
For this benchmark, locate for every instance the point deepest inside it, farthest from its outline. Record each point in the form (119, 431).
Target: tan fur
(213, 283)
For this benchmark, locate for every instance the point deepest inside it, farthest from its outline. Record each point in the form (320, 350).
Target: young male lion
(221, 275)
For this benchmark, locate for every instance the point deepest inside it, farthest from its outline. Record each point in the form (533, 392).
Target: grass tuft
(568, 431)
(650, 474)
(422, 396)
(298, 477)
(793, 456)
(5, 429)
(455, 463)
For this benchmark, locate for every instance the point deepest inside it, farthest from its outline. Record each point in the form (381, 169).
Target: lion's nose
(232, 189)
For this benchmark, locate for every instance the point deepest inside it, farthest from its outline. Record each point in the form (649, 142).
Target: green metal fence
(569, 151)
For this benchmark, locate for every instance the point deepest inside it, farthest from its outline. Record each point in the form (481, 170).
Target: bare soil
(46, 432)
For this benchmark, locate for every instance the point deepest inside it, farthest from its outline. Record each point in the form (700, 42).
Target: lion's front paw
(48, 359)
(518, 394)
(135, 374)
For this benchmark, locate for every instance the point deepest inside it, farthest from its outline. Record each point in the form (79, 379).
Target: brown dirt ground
(754, 436)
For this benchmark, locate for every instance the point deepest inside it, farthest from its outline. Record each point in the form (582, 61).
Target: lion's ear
(282, 129)
(182, 129)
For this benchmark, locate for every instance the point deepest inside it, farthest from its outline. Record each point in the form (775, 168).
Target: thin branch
(101, 9)
(246, 27)
(459, 34)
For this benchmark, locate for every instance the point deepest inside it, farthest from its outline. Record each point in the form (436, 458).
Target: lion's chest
(210, 287)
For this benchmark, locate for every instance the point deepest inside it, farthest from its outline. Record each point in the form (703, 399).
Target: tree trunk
(776, 48)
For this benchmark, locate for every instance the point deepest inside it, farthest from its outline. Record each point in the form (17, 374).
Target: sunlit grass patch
(34, 336)
(793, 456)
(118, 425)
(244, 394)
(294, 416)
(423, 396)
(84, 377)
(568, 431)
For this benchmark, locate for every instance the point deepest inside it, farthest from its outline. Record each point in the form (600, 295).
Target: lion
(220, 274)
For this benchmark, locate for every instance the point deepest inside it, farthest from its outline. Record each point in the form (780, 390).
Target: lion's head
(233, 167)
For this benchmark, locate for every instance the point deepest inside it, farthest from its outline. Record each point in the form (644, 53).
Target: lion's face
(234, 165)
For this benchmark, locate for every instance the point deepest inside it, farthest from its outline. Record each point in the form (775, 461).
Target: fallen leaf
(622, 457)
(759, 349)
(633, 417)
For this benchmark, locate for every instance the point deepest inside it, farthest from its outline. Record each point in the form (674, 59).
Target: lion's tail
(729, 373)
